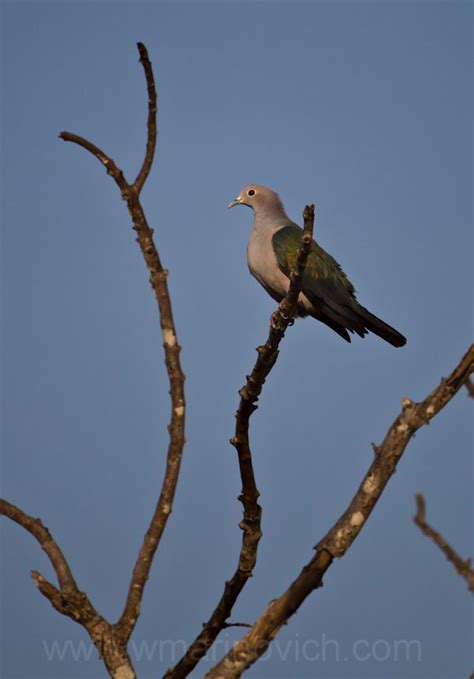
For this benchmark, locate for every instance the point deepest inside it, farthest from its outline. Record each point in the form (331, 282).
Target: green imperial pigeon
(326, 293)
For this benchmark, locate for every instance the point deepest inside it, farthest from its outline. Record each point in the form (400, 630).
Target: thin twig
(43, 536)
(343, 533)
(463, 567)
(250, 524)
(151, 124)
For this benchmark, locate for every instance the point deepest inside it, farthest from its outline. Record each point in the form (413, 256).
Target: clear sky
(363, 108)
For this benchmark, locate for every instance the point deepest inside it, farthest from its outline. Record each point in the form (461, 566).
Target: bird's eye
(251, 192)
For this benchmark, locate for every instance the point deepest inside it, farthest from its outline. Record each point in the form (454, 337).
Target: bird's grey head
(262, 200)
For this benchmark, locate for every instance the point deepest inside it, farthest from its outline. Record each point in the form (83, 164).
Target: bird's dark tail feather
(382, 329)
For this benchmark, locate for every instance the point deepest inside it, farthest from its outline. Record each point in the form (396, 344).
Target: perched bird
(326, 292)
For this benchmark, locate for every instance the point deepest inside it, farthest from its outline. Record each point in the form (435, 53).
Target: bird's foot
(277, 316)
(274, 319)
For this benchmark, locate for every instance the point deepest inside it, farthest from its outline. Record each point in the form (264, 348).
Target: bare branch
(463, 567)
(250, 524)
(151, 125)
(158, 280)
(68, 600)
(470, 387)
(43, 536)
(102, 157)
(341, 536)
(111, 640)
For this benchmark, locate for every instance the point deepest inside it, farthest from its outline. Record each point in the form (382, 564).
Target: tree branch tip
(406, 402)
(45, 587)
(420, 508)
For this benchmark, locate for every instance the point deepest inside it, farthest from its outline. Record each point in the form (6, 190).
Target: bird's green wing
(323, 277)
(328, 289)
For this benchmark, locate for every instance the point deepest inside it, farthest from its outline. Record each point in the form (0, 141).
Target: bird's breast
(263, 264)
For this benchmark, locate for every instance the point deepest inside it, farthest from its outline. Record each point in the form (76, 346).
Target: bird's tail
(380, 328)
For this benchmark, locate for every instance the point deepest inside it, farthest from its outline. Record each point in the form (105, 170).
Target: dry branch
(463, 567)
(68, 599)
(111, 640)
(151, 124)
(250, 524)
(343, 533)
(158, 280)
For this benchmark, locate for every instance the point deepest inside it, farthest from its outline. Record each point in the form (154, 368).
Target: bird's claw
(276, 316)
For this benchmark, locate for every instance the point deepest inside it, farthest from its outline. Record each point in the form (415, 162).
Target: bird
(326, 293)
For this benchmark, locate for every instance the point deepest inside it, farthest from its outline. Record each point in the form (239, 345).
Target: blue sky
(363, 108)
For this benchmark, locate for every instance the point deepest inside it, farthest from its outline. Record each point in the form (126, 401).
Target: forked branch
(158, 280)
(343, 533)
(111, 640)
(250, 524)
(68, 599)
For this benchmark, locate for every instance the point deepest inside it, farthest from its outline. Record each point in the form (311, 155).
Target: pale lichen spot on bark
(370, 484)
(339, 544)
(402, 427)
(169, 337)
(179, 410)
(406, 402)
(166, 508)
(430, 410)
(123, 672)
(357, 519)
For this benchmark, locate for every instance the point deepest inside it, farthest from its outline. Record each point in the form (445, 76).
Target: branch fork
(111, 640)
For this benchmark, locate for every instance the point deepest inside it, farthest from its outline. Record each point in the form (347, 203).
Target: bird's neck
(270, 218)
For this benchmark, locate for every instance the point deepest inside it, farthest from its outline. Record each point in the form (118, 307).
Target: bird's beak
(233, 203)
